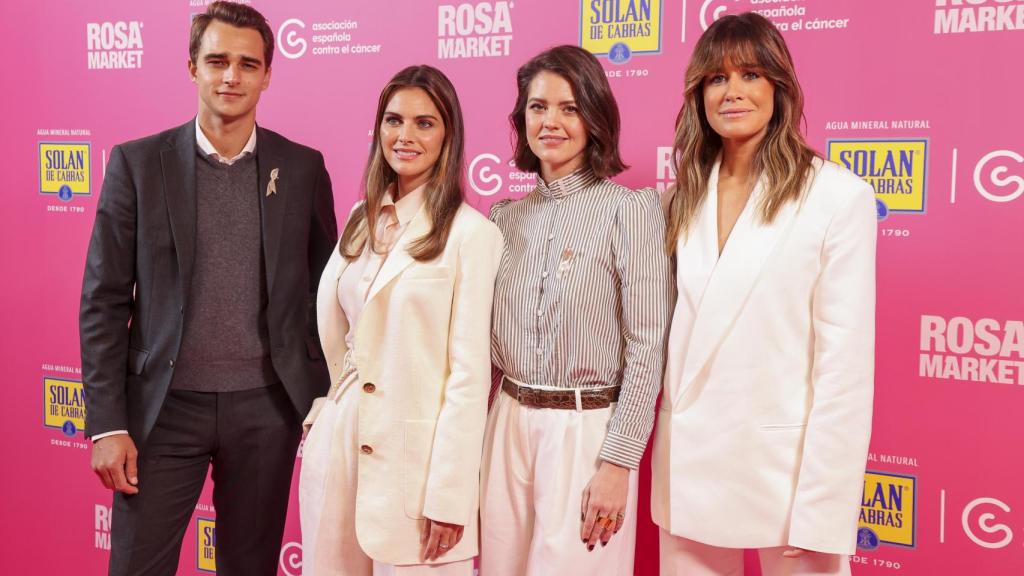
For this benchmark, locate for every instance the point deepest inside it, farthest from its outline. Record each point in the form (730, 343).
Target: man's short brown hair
(238, 15)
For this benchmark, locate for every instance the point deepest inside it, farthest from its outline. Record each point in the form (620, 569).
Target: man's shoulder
(285, 146)
(154, 142)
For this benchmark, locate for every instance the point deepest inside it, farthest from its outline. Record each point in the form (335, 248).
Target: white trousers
(536, 464)
(327, 498)
(684, 557)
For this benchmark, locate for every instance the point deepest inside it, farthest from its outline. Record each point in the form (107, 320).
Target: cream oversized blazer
(423, 342)
(763, 430)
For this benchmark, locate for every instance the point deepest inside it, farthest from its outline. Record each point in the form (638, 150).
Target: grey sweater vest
(225, 346)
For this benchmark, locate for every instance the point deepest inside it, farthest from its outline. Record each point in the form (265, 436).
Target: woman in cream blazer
(390, 472)
(766, 411)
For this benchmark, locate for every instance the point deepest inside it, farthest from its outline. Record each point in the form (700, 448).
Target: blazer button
(366, 449)
(171, 363)
(369, 388)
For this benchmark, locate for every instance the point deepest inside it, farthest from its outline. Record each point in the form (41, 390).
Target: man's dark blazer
(138, 273)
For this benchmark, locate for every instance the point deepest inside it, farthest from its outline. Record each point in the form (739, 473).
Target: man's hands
(438, 538)
(115, 461)
(605, 498)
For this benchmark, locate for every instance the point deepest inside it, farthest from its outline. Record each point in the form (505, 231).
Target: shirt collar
(566, 185)
(408, 205)
(207, 147)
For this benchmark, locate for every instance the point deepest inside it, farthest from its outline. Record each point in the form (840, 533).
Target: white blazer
(763, 430)
(423, 342)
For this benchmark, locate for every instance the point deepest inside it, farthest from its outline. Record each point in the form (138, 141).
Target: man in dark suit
(198, 324)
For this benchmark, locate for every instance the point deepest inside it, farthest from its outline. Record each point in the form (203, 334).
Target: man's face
(230, 72)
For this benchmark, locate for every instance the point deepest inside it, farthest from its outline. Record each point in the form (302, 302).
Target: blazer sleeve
(831, 480)
(453, 479)
(323, 236)
(107, 300)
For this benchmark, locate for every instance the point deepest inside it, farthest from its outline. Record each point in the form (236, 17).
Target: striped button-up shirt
(583, 298)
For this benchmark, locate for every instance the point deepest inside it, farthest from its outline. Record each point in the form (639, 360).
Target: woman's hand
(437, 538)
(604, 504)
(795, 552)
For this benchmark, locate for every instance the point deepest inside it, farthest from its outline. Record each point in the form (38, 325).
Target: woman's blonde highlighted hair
(783, 158)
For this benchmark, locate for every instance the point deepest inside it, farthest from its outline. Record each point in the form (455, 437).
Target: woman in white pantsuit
(390, 470)
(766, 412)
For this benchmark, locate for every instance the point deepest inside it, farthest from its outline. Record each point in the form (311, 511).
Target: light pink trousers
(327, 497)
(685, 557)
(536, 464)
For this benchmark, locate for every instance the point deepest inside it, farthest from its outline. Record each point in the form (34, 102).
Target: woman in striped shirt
(581, 307)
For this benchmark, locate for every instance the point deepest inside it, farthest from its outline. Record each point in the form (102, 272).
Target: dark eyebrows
(543, 101)
(224, 56)
(391, 113)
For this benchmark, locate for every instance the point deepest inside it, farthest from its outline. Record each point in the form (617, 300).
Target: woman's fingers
(438, 538)
(620, 520)
(433, 540)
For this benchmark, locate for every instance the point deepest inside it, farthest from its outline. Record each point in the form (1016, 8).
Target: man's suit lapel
(735, 275)
(268, 159)
(178, 162)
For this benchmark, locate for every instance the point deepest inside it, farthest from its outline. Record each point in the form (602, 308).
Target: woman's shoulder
(834, 185)
(470, 222)
(835, 189)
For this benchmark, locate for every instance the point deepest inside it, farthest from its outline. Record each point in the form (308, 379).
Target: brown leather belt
(560, 399)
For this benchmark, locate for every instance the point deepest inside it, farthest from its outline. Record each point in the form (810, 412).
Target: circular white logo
(716, 13)
(484, 175)
(291, 559)
(998, 176)
(983, 523)
(289, 42)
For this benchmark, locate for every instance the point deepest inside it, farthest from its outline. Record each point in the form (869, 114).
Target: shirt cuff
(622, 450)
(105, 434)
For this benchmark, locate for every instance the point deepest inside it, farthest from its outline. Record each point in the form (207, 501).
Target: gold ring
(605, 522)
(620, 516)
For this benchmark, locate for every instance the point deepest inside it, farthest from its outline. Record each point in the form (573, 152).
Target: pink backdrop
(932, 85)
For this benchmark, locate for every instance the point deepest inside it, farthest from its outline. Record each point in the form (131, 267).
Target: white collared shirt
(207, 147)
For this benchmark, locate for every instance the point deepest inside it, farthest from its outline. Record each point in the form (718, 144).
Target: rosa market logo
(963, 16)
(488, 174)
(480, 30)
(964, 349)
(665, 168)
(114, 45)
(328, 38)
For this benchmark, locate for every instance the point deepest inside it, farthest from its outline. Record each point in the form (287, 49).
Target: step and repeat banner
(919, 97)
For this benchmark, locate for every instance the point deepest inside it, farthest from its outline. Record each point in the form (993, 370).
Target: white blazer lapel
(399, 258)
(735, 275)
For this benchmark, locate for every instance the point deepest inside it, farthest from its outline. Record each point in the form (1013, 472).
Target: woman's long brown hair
(443, 190)
(783, 157)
